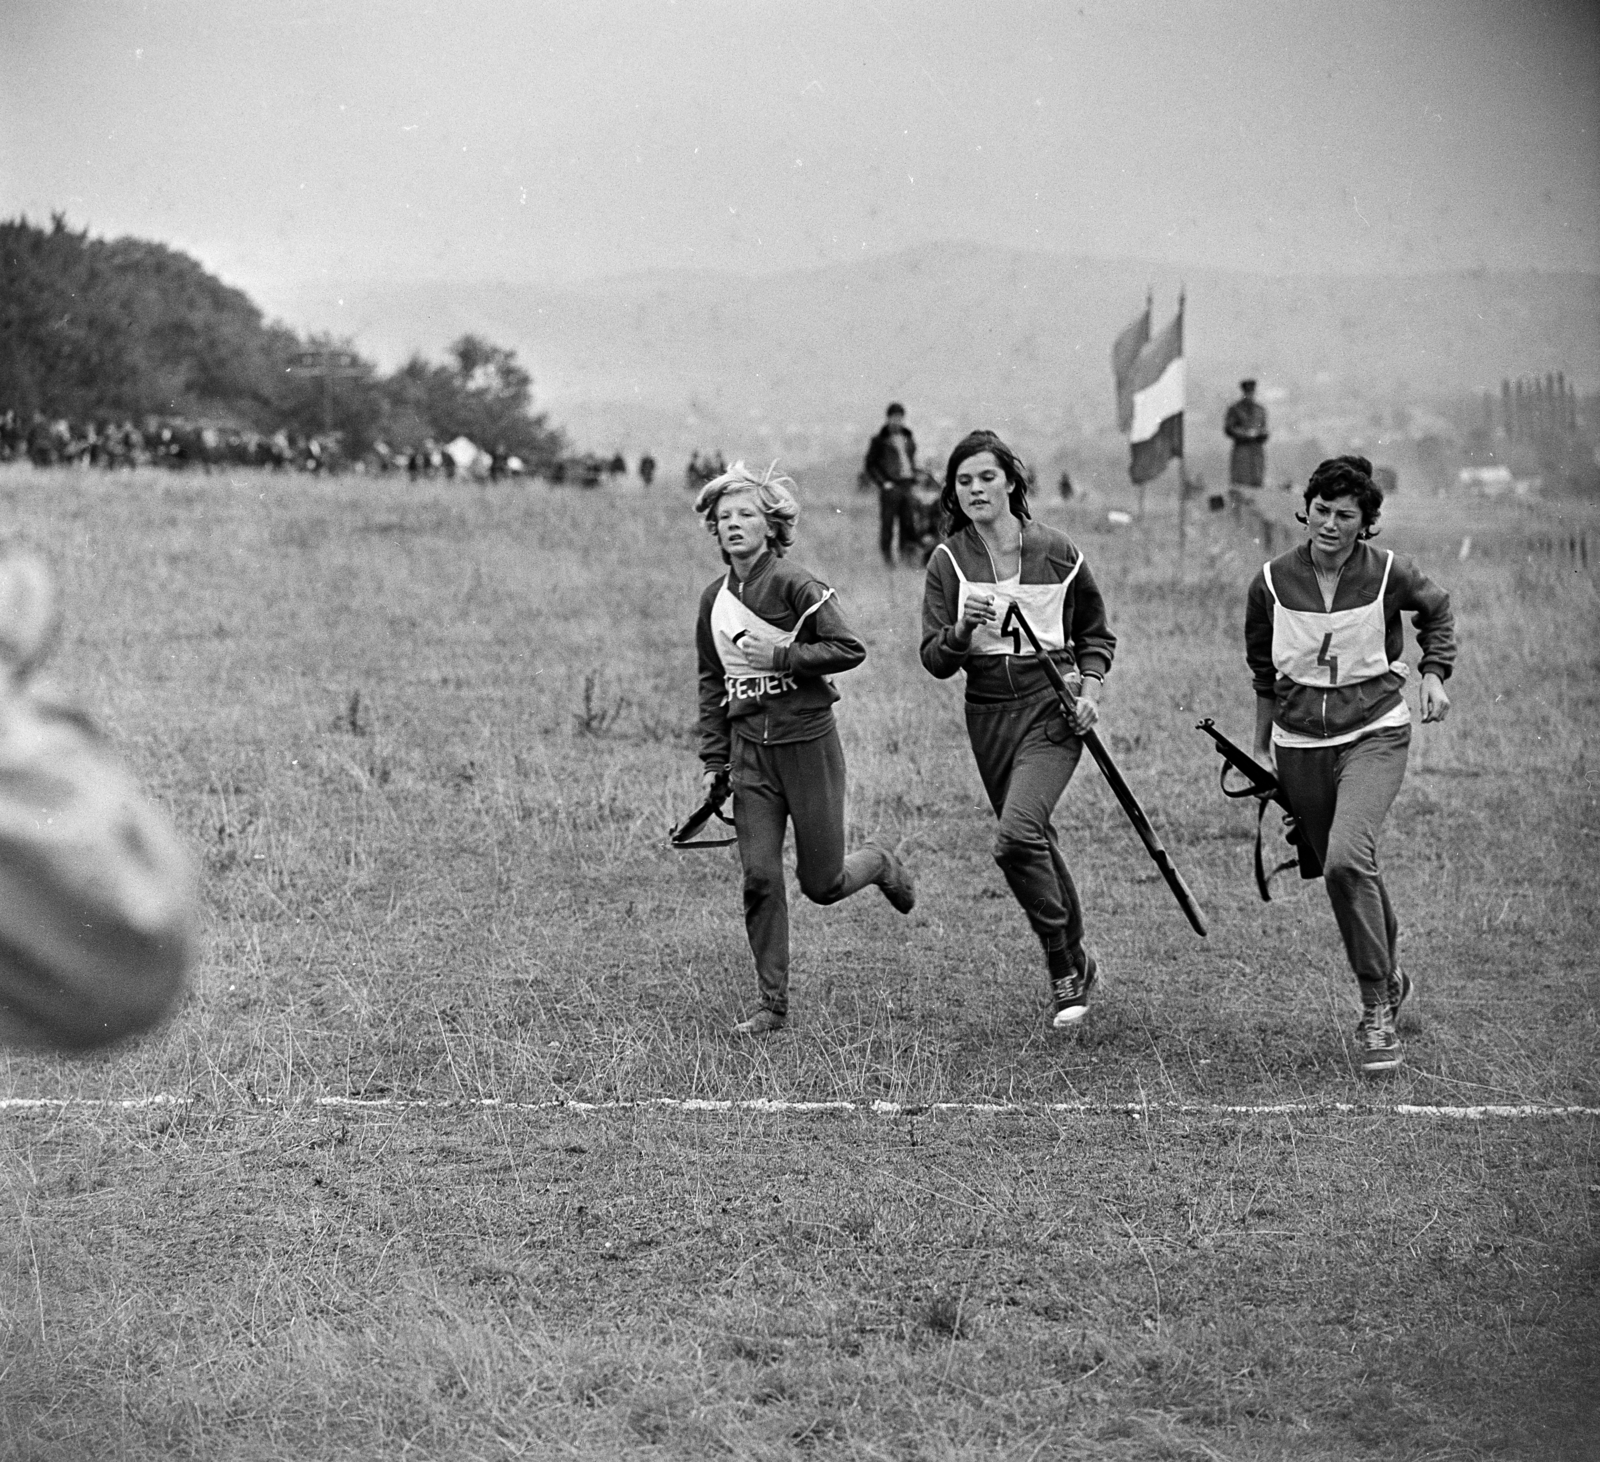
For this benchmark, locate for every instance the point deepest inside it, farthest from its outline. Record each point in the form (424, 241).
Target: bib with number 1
(1044, 605)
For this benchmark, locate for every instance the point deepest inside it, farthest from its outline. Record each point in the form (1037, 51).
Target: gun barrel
(1263, 781)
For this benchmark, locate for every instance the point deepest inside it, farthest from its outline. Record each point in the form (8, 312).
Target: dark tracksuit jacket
(1329, 711)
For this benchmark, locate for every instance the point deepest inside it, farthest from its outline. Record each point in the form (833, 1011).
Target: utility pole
(327, 364)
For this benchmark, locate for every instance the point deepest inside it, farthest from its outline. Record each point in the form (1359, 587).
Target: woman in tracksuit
(768, 637)
(1323, 637)
(1026, 750)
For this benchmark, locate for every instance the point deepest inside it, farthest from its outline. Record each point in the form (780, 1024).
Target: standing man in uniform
(891, 464)
(1246, 427)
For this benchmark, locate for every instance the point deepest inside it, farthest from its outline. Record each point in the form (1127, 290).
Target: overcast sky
(293, 140)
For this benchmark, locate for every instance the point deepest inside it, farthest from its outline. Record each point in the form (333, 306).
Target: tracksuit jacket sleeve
(1258, 638)
(1093, 644)
(826, 644)
(941, 593)
(1435, 624)
(715, 740)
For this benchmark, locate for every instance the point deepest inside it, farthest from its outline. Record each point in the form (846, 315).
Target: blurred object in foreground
(98, 922)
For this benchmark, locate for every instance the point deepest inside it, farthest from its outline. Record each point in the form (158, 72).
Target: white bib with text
(733, 623)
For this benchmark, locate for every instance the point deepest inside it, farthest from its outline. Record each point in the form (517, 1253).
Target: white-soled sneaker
(763, 1023)
(1380, 1046)
(1070, 997)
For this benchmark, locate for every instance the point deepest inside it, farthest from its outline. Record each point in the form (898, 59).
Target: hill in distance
(801, 364)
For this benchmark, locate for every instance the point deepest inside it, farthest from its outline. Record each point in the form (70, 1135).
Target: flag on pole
(1124, 356)
(1155, 435)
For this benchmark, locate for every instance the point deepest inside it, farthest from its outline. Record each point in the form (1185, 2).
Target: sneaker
(1399, 991)
(1070, 995)
(1380, 1046)
(897, 883)
(762, 1023)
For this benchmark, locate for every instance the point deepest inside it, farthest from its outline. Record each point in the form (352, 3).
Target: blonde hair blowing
(774, 493)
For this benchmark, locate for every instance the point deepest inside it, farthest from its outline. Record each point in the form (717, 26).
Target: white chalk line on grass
(781, 1107)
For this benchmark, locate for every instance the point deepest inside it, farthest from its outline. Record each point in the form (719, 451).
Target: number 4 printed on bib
(1331, 661)
(1009, 626)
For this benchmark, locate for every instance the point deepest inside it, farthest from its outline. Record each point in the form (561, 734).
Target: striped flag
(1155, 435)
(1124, 356)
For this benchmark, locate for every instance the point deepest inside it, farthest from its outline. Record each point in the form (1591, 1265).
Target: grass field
(426, 742)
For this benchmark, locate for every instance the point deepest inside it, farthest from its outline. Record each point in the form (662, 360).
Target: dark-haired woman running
(1026, 751)
(1323, 636)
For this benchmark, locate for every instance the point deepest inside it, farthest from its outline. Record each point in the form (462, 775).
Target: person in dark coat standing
(891, 465)
(1246, 427)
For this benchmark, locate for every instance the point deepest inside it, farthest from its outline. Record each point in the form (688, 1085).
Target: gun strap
(679, 836)
(1249, 790)
(1264, 878)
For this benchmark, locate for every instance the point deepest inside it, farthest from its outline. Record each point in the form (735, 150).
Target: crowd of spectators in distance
(56, 441)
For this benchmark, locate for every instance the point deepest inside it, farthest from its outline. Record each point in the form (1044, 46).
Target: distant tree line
(114, 330)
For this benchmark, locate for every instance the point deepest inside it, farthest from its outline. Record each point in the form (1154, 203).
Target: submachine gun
(1264, 787)
(683, 837)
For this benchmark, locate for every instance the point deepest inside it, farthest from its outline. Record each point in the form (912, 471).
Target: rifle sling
(680, 836)
(1263, 878)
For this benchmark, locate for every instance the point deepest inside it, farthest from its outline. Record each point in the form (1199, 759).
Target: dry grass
(429, 741)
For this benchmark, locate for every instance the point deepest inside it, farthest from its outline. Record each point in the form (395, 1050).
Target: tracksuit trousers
(800, 782)
(1341, 794)
(1026, 755)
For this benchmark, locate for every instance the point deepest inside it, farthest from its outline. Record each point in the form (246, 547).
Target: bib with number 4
(1044, 605)
(1331, 648)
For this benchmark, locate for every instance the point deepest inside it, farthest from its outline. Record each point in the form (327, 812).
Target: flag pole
(1149, 306)
(1183, 469)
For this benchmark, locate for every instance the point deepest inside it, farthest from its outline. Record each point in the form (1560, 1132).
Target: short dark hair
(894, 408)
(972, 445)
(1347, 477)
(1248, 385)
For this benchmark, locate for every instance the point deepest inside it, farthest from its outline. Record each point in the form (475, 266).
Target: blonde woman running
(769, 636)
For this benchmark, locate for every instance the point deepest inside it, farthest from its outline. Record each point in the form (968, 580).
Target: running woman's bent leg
(813, 775)
(760, 812)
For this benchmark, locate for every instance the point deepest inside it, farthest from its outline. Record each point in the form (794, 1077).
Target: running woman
(1026, 750)
(769, 635)
(1323, 637)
